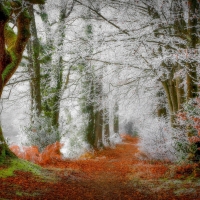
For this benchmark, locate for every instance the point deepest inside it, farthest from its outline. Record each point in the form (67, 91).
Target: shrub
(190, 117)
(41, 133)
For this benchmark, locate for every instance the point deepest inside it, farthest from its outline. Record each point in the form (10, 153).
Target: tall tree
(92, 88)
(12, 46)
(47, 82)
(33, 48)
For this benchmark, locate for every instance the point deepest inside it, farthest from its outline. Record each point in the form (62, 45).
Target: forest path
(109, 174)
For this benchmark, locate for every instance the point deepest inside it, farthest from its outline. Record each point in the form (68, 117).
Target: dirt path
(108, 174)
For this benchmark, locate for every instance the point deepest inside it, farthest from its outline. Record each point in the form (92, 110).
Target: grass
(25, 194)
(19, 165)
(18, 193)
(179, 187)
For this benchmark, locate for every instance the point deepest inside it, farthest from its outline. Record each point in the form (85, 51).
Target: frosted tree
(160, 40)
(33, 49)
(91, 90)
(47, 81)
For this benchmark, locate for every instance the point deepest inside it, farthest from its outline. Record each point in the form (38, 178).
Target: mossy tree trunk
(98, 114)
(192, 87)
(33, 48)
(12, 46)
(98, 129)
(95, 114)
(45, 69)
(170, 90)
(59, 66)
(161, 107)
(180, 89)
(54, 69)
(89, 109)
(92, 101)
(116, 118)
(191, 79)
(4, 149)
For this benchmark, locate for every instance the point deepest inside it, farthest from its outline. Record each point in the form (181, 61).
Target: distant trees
(160, 40)
(166, 41)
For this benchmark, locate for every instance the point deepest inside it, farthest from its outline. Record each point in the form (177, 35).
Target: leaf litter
(110, 173)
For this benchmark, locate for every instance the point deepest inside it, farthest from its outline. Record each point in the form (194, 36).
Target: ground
(115, 173)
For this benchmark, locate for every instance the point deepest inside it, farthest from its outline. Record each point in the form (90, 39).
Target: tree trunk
(161, 108)
(4, 149)
(116, 118)
(106, 127)
(55, 110)
(192, 87)
(169, 92)
(179, 90)
(98, 129)
(193, 40)
(88, 109)
(12, 46)
(34, 68)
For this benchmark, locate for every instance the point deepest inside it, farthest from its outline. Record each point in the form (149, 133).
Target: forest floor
(109, 174)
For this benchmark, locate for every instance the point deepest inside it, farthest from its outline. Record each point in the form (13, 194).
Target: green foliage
(5, 11)
(191, 111)
(50, 104)
(191, 108)
(185, 150)
(190, 118)
(88, 29)
(44, 16)
(26, 15)
(45, 57)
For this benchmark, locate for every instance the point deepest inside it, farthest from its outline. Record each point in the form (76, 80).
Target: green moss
(20, 165)
(25, 33)
(26, 15)
(25, 194)
(3, 154)
(18, 193)
(10, 67)
(5, 11)
(44, 16)
(10, 37)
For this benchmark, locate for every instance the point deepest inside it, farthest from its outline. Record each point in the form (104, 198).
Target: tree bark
(169, 92)
(4, 149)
(116, 118)
(192, 87)
(12, 46)
(106, 127)
(161, 107)
(180, 90)
(34, 69)
(98, 129)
